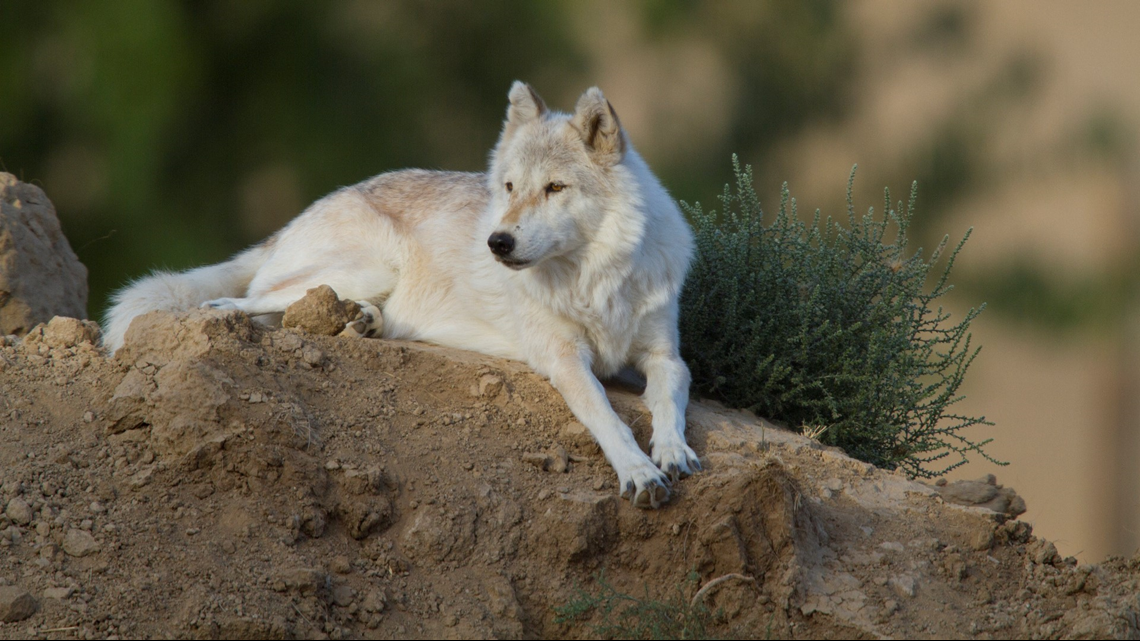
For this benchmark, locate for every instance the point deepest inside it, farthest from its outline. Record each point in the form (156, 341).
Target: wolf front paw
(676, 460)
(645, 486)
(220, 303)
(369, 324)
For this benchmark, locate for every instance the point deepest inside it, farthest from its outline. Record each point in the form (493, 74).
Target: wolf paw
(220, 303)
(369, 324)
(645, 487)
(676, 460)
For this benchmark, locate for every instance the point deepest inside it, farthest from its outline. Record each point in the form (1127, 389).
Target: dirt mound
(40, 276)
(218, 479)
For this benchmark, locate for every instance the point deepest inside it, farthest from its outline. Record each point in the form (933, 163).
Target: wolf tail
(180, 291)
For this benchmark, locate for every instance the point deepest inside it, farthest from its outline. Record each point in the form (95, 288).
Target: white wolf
(568, 255)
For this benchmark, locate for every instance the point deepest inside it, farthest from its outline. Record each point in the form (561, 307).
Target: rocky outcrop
(40, 276)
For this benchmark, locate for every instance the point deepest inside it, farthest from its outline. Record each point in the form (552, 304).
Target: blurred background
(173, 133)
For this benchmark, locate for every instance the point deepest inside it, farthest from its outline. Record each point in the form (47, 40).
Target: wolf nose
(501, 243)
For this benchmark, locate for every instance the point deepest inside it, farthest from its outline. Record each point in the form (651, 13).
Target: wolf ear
(526, 105)
(598, 124)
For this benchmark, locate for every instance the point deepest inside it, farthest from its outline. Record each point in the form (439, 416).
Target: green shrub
(825, 326)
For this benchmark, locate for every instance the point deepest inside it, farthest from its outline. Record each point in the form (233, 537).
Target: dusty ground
(219, 479)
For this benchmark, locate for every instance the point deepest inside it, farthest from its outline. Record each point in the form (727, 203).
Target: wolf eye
(555, 187)
(510, 186)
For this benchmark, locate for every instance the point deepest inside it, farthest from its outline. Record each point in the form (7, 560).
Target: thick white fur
(591, 286)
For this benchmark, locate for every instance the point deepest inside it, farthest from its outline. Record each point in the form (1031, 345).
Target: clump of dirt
(321, 312)
(40, 276)
(220, 479)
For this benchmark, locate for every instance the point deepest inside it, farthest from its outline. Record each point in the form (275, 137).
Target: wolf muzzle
(501, 243)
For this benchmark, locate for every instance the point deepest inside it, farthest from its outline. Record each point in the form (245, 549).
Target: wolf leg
(273, 302)
(639, 478)
(667, 396)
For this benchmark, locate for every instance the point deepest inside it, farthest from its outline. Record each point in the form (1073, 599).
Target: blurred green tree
(173, 133)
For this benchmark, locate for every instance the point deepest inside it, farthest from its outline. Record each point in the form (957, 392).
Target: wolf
(567, 254)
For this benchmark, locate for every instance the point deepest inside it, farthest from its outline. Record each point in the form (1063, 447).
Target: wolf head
(554, 176)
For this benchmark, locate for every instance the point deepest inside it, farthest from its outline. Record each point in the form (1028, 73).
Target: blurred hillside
(171, 134)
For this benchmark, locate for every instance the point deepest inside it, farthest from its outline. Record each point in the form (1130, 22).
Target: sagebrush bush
(829, 327)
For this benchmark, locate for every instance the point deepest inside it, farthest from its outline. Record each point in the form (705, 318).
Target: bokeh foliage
(157, 126)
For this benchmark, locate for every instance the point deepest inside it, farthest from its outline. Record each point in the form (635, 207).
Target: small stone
(142, 478)
(543, 494)
(1046, 554)
(43, 528)
(490, 385)
(968, 492)
(303, 580)
(332, 465)
(288, 342)
(58, 593)
(578, 437)
(541, 461)
(903, 585)
(890, 606)
(19, 511)
(88, 416)
(79, 543)
(313, 356)
(833, 484)
(561, 460)
(16, 604)
(340, 565)
(229, 547)
(343, 595)
(982, 540)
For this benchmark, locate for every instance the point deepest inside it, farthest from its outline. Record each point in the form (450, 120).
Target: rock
(903, 585)
(40, 276)
(968, 492)
(321, 312)
(342, 595)
(1044, 553)
(303, 580)
(541, 461)
(985, 493)
(578, 437)
(19, 511)
(490, 385)
(79, 543)
(62, 331)
(340, 565)
(982, 540)
(561, 460)
(58, 593)
(16, 604)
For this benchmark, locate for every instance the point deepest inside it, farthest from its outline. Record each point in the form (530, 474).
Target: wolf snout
(501, 243)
